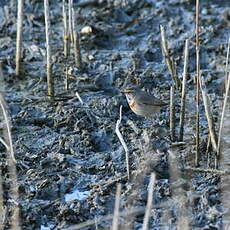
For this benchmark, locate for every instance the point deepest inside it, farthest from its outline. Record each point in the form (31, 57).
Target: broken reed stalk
(222, 116)
(115, 223)
(65, 33)
(76, 43)
(11, 163)
(19, 35)
(172, 113)
(208, 113)
(70, 30)
(8, 138)
(183, 93)
(77, 50)
(169, 60)
(197, 86)
(226, 64)
(149, 202)
(48, 51)
(123, 143)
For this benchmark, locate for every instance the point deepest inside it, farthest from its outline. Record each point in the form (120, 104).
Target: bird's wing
(149, 99)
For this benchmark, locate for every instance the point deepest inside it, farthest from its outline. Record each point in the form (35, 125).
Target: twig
(149, 201)
(48, 51)
(208, 114)
(226, 64)
(197, 86)
(76, 43)
(115, 223)
(169, 60)
(19, 35)
(123, 143)
(79, 98)
(4, 143)
(183, 93)
(222, 116)
(172, 113)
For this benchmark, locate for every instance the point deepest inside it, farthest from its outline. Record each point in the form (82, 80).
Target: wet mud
(69, 158)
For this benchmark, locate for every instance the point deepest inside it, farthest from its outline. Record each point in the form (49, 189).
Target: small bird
(141, 102)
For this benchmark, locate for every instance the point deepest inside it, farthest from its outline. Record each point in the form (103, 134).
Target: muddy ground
(69, 158)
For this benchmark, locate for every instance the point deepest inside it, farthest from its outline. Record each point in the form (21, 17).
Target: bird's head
(130, 92)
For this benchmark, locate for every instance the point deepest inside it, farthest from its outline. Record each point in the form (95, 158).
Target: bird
(141, 102)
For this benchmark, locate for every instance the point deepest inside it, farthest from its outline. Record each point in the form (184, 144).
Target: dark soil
(69, 158)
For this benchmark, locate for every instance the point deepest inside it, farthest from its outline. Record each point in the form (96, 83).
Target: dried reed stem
(149, 202)
(169, 60)
(226, 64)
(8, 138)
(172, 113)
(76, 43)
(11, 162)
(208, 114)
(183, 93)
(197, 86)
(70, 5)
(19, 35)
(222, 116)
(77, 50)
(123, 143)
(66, 37)
(115, 223)
(48, 51)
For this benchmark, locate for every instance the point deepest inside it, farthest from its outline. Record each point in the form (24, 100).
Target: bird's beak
(123, 91)
(126, 91)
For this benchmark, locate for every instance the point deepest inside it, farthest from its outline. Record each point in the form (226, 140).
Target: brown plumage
(142, 103)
